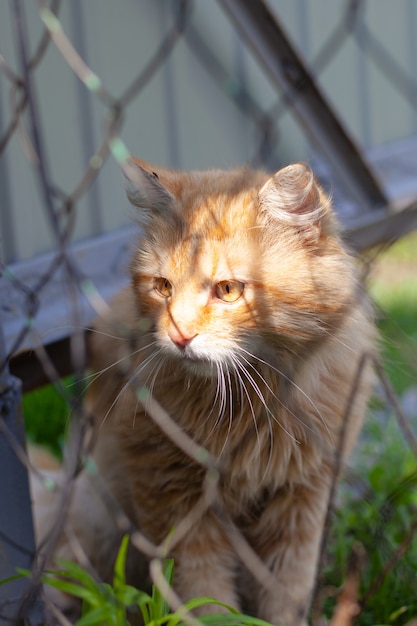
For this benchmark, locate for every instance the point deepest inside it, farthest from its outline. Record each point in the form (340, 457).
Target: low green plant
(375, 518)
(46, 414)
(114, 604)
(393, 285)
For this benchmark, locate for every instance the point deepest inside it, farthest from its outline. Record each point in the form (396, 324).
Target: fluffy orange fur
(247, 324)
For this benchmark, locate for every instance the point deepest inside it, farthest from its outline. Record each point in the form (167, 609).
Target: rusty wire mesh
(61, 212)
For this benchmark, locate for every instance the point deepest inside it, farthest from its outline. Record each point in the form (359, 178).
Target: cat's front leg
(287, 538)
(205, 566)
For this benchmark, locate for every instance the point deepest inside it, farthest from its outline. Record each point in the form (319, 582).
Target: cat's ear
(293, 197)
(146, 191)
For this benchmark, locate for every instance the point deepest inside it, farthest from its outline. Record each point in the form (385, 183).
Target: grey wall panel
(184, 117)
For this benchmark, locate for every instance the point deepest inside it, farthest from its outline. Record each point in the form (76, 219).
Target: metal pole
(262, 32)
(18, 603)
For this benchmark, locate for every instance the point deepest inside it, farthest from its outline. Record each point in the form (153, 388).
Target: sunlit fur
(262, 382)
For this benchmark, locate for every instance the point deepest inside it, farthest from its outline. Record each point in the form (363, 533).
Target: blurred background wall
(208, 104)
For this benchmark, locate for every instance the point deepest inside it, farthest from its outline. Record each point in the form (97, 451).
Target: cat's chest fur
(260, 439)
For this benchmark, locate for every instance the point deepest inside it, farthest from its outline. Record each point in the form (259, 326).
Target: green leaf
(16, 577)
(120, 565)
(100, 615)
(197, 602)
(169, 570)
(159, 607)
(68, 569)
(237, 619)
(74, 589)
(144, 608)
(233, 617)
(130, 596)
(396, 614)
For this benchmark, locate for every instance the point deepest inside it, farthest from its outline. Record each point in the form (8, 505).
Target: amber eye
(162, 287)
(229, 290)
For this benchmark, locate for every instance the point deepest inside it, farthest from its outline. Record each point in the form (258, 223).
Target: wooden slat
(380, 227)
(262, 32)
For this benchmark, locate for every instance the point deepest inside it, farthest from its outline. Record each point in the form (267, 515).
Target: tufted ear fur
(293, 197)
(146, 191)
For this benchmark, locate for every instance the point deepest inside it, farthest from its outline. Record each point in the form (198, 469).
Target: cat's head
(237, 265)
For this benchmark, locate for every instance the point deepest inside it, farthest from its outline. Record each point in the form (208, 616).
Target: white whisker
(238, 366)
(261, 397)
(135, 374)
(113, 404)
(297, 387)
(156, 368)
(268, 415)
(219, 400)
(230, 408)
(96, 375)
(334, 337)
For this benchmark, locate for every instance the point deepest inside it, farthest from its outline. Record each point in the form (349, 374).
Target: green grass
(377, 508)
(46, 415)
(378, 498)
(393, 285)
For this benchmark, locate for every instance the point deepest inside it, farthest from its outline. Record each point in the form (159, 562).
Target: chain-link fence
(47, 302)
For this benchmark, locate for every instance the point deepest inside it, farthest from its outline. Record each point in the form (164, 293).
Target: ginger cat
(248, 323)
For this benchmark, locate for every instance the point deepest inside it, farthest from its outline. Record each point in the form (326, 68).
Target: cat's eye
(229, 290)
(162, 287)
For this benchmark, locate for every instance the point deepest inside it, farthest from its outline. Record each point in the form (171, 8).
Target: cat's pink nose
(180, 339)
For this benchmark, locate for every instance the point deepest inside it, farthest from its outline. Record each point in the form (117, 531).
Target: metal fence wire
(20, 598)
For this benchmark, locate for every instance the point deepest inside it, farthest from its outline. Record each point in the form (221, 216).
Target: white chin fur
(197, 361)
(204, 369)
